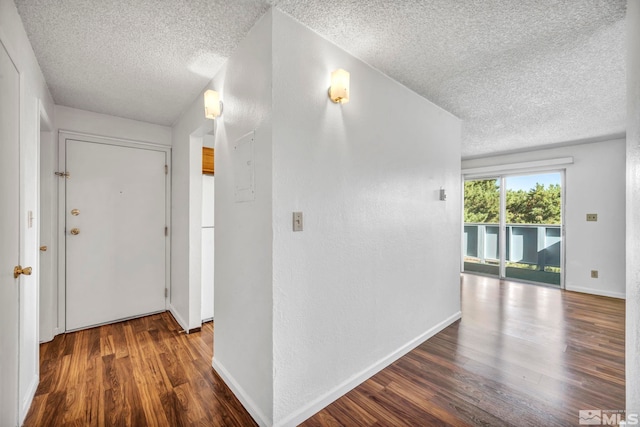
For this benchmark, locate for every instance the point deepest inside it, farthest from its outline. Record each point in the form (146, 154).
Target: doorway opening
(513, 227)
(208, 229)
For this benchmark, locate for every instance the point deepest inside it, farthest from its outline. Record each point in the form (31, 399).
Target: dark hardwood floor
(522, 355)
(141, 372)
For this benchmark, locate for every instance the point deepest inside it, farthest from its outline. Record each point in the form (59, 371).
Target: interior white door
(115, 232)
(9, 237)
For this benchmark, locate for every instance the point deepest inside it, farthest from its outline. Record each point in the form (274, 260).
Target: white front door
(115, 232)
(9, 237)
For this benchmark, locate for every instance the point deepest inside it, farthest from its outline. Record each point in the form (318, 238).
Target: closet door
(9, 238)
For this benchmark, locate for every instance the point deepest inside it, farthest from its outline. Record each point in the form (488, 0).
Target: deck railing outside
(529, 246)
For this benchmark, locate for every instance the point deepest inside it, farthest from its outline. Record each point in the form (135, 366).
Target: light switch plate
(592, 217)
(297, 221)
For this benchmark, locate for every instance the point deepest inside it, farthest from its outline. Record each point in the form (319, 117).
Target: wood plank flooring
(141, 372)
(522, 355)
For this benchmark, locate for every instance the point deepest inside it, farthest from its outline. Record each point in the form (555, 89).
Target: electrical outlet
(592, 217)
(594, 274)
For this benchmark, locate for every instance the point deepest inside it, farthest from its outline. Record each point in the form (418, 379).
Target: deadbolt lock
(18, 270)
(75, 212)
(75, 231)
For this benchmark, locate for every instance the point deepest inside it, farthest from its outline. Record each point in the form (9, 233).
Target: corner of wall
(178, 318)
(632, 209)
(243, 236)
(350, 291)
(354, 381)
(244, 397)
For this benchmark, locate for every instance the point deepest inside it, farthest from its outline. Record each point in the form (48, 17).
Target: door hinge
(166, 169)
(166, 231)
(166, 292)
(62, 174)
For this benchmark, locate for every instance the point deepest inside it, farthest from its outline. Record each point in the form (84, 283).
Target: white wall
(243, 241)
(85, 122)
(595, 183)
(187, 134)
(633, 207)
(48, 221)
(181, 223)
(34, 100)
(243, 230)
(15, 38)
(195, 231)
(375, 271)
(97, 124)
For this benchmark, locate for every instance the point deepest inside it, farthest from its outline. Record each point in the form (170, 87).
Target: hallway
(142, 372)
(521, 355)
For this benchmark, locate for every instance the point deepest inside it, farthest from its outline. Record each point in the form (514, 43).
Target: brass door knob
(75, 231)
(18, 270)
(43, 248)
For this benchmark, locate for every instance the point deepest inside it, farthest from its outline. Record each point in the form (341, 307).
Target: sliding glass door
(482, 226)
(513, 227)
(534, 227)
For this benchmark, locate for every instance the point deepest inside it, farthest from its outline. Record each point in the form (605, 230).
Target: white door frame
(47, 215)
(62, 137)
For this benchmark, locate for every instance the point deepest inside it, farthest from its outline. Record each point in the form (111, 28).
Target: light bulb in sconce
(339, 89)
(212, 104)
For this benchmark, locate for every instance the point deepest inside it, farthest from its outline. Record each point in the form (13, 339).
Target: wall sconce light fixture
(212, 104)
(339, 89)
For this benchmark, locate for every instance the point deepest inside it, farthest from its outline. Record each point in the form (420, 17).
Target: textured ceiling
(519, 73)
(140, 59)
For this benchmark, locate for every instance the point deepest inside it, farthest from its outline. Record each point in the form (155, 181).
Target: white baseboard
(28, 399)
(46, 338)
(242, 396)
(178, 318)
(596, 292)
(313, 407)
(57, 331)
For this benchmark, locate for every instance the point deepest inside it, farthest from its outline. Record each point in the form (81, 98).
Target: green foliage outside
(539, 205)
(482, 201)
